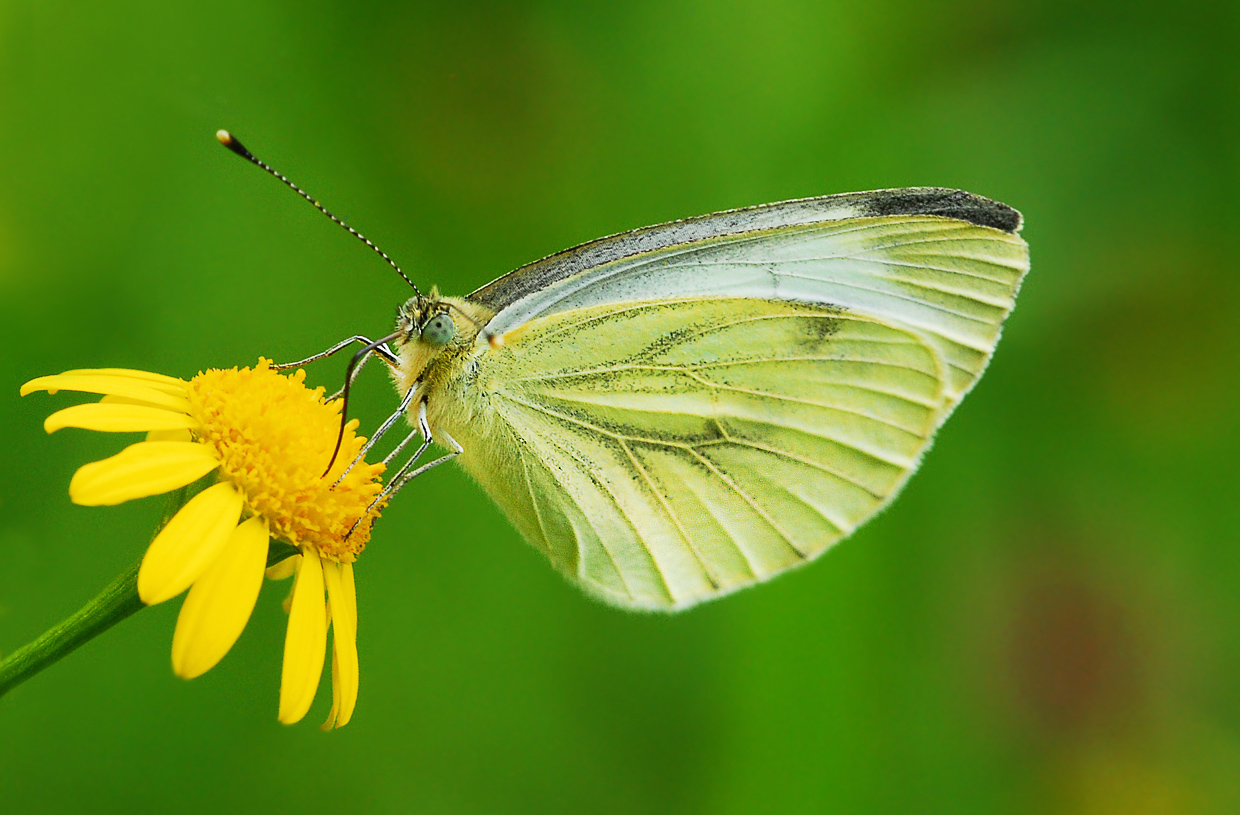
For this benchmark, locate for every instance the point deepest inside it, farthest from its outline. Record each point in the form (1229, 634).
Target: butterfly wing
(683, 411)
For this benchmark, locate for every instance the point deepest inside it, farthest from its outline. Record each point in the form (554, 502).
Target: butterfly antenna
(232, 143)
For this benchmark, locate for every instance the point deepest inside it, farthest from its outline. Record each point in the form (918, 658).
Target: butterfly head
(434, 322)
(437, 334)
(426, 321)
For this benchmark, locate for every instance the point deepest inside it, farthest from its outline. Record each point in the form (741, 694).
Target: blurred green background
(1048, 620)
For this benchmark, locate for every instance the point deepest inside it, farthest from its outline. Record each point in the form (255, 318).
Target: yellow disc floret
(274, 438)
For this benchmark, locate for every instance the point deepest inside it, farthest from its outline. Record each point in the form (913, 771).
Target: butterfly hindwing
(688, 448)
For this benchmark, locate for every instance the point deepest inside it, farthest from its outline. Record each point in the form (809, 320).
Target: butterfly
(677, 412)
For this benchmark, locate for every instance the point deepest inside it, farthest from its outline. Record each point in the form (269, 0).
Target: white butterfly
(680, 411)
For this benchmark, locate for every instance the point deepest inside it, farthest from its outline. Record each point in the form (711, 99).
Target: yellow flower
(267, 438)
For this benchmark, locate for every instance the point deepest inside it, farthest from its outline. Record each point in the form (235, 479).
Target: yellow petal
(161, 381)
(219, 603)
(349, 595)
(334, 713)
(185, 548)
(285, 568)
(305, 643)
(111, 385)
(113, 418)
(180, 434)
(142, 469)
(343, 595)
(111, 399)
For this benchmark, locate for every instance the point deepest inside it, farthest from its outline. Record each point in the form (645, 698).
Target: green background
(1048, 620)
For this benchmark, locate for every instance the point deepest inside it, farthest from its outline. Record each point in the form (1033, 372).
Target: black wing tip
(958, 204)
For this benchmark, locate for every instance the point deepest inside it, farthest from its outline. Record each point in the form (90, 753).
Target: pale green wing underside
(667, 448)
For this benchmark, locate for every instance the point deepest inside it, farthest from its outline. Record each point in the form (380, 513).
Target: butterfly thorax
(437, 343)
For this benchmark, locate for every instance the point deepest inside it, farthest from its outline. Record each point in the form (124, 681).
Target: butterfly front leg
(389, 356)
(382, 349)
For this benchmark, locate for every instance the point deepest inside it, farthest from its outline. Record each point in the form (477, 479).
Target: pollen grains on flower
(266, 437)
(272, 437)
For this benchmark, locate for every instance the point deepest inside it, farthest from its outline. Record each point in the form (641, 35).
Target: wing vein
(714, 582)
(900, 463)
(859, 259)
(906, 298)
(529, 486)
(744, 496)
(961, 272)
(932, 240)
(560, 375)
(794, 400)
(615, 500)
(809, 463)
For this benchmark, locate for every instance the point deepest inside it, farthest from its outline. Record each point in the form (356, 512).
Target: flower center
(274, 437)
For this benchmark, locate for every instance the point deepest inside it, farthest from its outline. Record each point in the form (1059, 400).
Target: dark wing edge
(935, 201)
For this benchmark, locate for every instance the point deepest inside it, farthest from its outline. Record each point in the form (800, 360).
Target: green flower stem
(117, 601)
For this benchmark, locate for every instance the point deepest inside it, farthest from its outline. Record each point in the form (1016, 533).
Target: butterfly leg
(389, 356)
(404, 478)
(404, 443)
(424, 429)
(385, 427)
(406, 474)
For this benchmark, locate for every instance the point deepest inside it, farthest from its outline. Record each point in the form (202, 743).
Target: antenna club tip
(234, 144)
(495, 340)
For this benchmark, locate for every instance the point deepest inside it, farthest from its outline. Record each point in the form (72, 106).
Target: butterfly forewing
(688, 419)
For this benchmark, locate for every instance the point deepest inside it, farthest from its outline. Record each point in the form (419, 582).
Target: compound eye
(438, 331)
